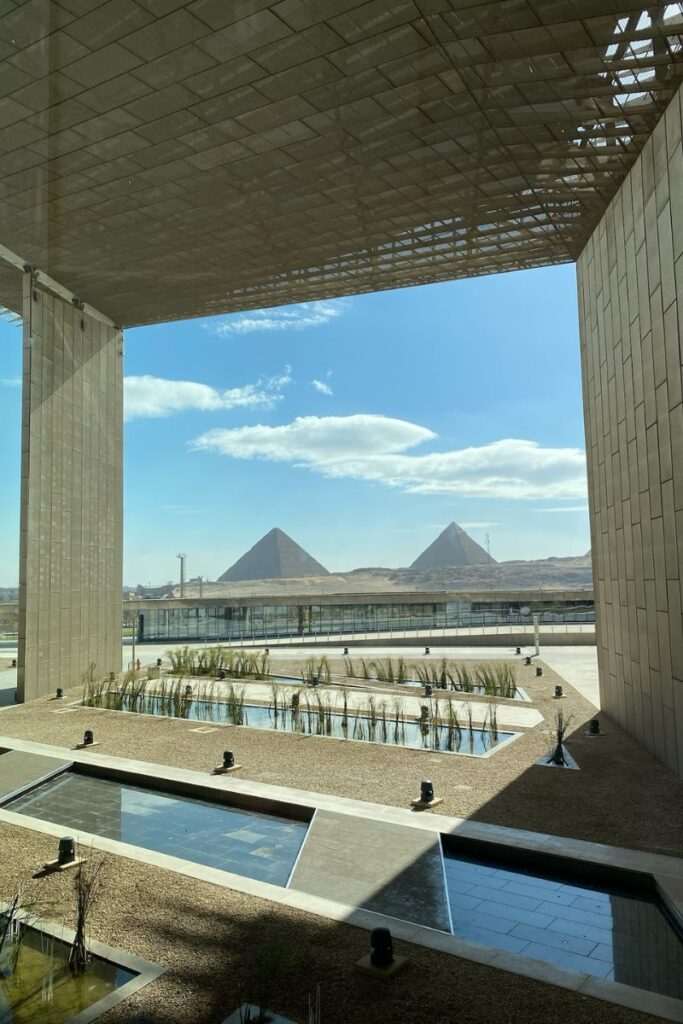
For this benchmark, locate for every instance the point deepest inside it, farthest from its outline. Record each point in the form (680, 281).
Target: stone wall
(630, 278)
(70, 573)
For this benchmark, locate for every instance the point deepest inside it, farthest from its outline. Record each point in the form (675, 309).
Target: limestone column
(71, 542)
(630, 278)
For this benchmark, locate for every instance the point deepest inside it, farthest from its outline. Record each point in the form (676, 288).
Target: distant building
(241, 618)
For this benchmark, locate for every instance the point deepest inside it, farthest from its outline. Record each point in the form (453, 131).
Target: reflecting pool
(247, 843)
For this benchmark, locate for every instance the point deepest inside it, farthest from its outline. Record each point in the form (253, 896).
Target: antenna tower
(183, 560)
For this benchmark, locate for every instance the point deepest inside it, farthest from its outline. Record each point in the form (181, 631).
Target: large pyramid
(276, 556)
(453, 547)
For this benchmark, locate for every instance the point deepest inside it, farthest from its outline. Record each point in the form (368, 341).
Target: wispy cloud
(564, 508)
(152, 397)
(322, 387)
(477, 526)
(10, 382)
(376, 448)
(285, 318)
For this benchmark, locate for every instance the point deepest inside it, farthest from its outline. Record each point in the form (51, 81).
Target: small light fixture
(88, 737)
(426, 791)
(60, 693)
(346, 650)
(539, 670)
(158, 662)
(267, 650)
(428, 650)
(381, 947)
(518, 650)
(428, 690)
(594, 727)
(66, 851)
(221, 673)
(558, 691)
(228, 759)
(527, 660)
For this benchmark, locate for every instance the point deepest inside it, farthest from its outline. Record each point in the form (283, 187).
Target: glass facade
(238, 622)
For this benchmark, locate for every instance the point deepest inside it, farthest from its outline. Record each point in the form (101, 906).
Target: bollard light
(558, 691)
(67, 850)
(14, 662)
(428, 650)
(158, 662)
(527, 660)
(346, 650)
(228, 759)
(88, 737)
(267, 650)
(594, 727)
(60, 693)
(426, 791)
(221, 673)
(539, 670)
(428, 690)
(381, 947)
(518, 650)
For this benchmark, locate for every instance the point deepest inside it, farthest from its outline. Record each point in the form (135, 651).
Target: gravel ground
(621, 796)
(207, 938)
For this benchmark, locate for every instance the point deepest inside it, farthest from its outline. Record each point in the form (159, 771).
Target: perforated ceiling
(165, 159)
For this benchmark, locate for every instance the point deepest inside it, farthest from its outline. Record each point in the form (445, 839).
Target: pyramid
(275, 556)
(453, 547)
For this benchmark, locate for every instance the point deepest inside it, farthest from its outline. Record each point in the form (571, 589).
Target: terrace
(146, 796)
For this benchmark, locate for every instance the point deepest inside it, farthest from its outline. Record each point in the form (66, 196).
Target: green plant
(315, 670)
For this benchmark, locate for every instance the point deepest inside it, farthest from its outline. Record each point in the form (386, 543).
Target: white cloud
(285, 318)
(322, 387)
(155, 396)
(10, 382)
(375, 448)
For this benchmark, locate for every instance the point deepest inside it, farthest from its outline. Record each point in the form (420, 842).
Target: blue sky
(360, 426)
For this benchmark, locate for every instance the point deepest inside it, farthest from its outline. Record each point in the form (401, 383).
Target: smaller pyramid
(453, 547)
(275, 557)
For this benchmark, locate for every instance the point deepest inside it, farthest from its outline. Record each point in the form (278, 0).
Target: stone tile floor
(612, 935)
(246, 843)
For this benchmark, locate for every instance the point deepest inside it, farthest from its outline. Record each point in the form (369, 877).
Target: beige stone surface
(630, 279)
(71, 538)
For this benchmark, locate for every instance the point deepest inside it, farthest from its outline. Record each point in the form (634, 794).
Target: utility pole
(183, 560)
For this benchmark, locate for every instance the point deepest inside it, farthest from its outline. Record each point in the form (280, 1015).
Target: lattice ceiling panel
(165, 159)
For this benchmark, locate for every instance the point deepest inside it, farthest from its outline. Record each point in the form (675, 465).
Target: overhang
(165, 160)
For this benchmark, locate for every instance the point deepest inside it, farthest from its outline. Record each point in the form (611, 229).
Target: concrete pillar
(630, 279)
(70, 572)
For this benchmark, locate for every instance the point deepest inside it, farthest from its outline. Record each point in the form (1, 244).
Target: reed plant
(87, 889)
(496, 679)
(315, 670)
(212, 661)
